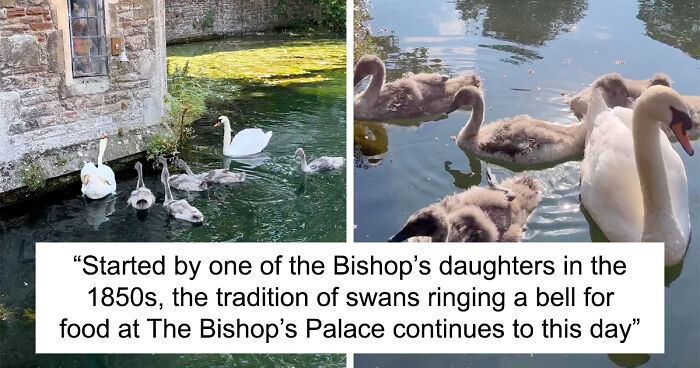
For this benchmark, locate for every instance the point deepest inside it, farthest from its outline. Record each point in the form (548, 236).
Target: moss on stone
(291, 63)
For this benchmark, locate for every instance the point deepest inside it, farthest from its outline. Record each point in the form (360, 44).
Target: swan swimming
(141, 198)
(98, 181)
(414, 95)
(187, 181)
(610, 83)
(476, 215)
(521, 139)
(219, 176)
(319, 165)
(633, 183)
(177, 208)
(246, 142)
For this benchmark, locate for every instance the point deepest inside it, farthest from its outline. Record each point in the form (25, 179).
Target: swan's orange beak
(216, 125)
(680, 125)
(683, 139)
(102, 136)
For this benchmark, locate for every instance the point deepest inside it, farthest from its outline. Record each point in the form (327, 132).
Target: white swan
(141, 198)
(633, 183)
(246, 142)
(98, 181)
(177, 208)
(321, 164)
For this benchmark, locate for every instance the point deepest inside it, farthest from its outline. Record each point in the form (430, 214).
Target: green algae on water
(29, 315)
(287, 64)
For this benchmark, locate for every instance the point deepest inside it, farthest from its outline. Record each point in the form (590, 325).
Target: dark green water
(276, 203)
(530, 54)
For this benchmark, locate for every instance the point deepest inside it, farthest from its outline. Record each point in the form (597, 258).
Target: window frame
(99, 18)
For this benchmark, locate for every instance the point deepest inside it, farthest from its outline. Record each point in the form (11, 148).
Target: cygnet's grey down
(618, 91)
(187, 182)
(141, 198)
(610, 84)
(476, 215)
(177, 208)
(319, 165)
(219, 176)
(521, 139)
(414, 95)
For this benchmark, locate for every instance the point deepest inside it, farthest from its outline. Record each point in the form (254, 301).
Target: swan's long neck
(187, 169)
(660, 222)
(140, 183)
(471, 130)
(376, 84)
(227, 135)
(304, 167)
(165, 178)
(100, 155)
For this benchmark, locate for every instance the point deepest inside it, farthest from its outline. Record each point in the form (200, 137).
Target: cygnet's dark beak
(357, 79)
(399, 237)
(453, 107)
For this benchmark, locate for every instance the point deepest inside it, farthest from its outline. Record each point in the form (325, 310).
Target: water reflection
(673, 22)
(462, 180)
(417, 60)
(98, 211)
(523, 22)
(629, 360)
(371, 143)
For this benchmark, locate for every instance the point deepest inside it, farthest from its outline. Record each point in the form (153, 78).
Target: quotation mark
(635, 321)
(77, 258)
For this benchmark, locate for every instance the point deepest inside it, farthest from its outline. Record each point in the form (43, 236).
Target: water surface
(531, 55)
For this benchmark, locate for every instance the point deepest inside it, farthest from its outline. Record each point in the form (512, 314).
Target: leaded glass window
(88, 41)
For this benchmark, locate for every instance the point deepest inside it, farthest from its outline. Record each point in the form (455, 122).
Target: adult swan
(633, 183)
(247, 142)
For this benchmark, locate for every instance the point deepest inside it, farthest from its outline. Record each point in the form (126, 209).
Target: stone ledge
(62, 165)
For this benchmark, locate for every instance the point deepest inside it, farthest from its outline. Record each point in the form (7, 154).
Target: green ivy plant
(186, 99)
(208, 21)
(32, 175)
(330, 18)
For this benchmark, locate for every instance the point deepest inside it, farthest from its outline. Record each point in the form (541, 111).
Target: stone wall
(188, 20)
(49, 118)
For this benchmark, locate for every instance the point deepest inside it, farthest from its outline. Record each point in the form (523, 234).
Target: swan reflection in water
(97, 211)
(371, 139)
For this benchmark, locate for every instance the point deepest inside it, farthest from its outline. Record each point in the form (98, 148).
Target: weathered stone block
(7, 3)
(143, 9)
(137, 42)
(37, 11)
(19, 51)
(113, 97)
(9, 113)
(41, 26)
(15, 12)
(54, 51)
(3, 14)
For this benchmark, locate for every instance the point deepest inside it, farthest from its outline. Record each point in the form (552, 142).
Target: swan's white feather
(610, 187)
(102, 181)
(248, 142)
